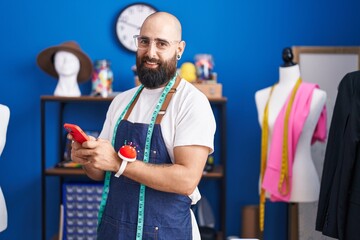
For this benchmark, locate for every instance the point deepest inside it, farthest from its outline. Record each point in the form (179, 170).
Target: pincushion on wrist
(127, 154)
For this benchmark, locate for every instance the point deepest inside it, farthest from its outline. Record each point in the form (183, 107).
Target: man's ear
(180, 48)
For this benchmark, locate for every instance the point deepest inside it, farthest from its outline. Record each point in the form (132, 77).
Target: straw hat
(45, 60)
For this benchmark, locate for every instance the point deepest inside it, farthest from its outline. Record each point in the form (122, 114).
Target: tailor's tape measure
(108, 174)
(140, 223)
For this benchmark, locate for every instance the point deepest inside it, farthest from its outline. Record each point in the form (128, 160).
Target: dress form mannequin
(287, 56)
(67, 65)
(305, 180)
(4, 120)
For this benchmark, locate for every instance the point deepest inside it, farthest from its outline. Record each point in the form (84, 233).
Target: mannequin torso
(67, 65)
(4, 121)
(305, 180)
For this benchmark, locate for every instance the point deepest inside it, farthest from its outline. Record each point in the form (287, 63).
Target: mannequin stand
(293, 221)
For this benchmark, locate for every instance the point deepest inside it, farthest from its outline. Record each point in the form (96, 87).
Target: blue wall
(245, 37)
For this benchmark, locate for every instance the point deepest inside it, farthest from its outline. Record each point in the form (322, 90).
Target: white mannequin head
(67, 65)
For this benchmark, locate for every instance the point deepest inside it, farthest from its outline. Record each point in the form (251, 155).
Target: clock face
(129, 22)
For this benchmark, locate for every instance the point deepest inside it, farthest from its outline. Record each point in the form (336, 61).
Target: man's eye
(144, 41)
(162, 44)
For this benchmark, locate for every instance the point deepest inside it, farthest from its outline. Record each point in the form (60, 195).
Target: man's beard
(154, 78)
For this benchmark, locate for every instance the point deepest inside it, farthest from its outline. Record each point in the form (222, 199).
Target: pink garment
(298, 115)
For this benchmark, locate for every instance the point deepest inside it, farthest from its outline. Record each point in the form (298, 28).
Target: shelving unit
(218, 174)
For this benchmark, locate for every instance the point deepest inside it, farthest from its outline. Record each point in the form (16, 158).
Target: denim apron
(166, 215)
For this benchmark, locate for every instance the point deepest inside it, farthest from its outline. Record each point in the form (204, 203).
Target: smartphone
(78, 134)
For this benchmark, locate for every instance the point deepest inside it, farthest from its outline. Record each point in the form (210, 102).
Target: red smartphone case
(78, 134)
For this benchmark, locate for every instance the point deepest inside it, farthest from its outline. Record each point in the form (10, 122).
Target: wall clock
(129, 21)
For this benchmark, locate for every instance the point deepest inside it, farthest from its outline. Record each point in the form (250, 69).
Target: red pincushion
(128, 152)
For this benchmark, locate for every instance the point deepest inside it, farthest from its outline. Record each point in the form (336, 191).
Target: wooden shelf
(102, 99)
(216, 173)
(76, 99)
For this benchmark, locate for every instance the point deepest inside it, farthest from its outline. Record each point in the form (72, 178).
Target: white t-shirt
(189, 119)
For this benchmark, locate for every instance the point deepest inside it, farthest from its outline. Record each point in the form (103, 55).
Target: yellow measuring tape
(264, 150)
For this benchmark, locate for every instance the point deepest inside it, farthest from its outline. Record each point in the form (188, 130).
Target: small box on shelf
(209, 88)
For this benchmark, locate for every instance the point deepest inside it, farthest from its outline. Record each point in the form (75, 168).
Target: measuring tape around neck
(140, 223)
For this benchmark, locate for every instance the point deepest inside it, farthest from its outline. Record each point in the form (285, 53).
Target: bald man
(171, 125)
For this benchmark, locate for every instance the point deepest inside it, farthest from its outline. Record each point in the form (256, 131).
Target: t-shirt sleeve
(196, 123)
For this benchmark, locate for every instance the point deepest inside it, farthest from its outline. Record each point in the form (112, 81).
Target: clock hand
(130, 24)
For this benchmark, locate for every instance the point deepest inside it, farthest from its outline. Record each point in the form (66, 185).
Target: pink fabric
(298, 115)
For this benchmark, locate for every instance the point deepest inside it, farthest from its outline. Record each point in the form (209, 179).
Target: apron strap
(163, 107)
(132, 106)
(167, 101)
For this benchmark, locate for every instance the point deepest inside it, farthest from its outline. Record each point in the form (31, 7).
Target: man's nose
(152, 48)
